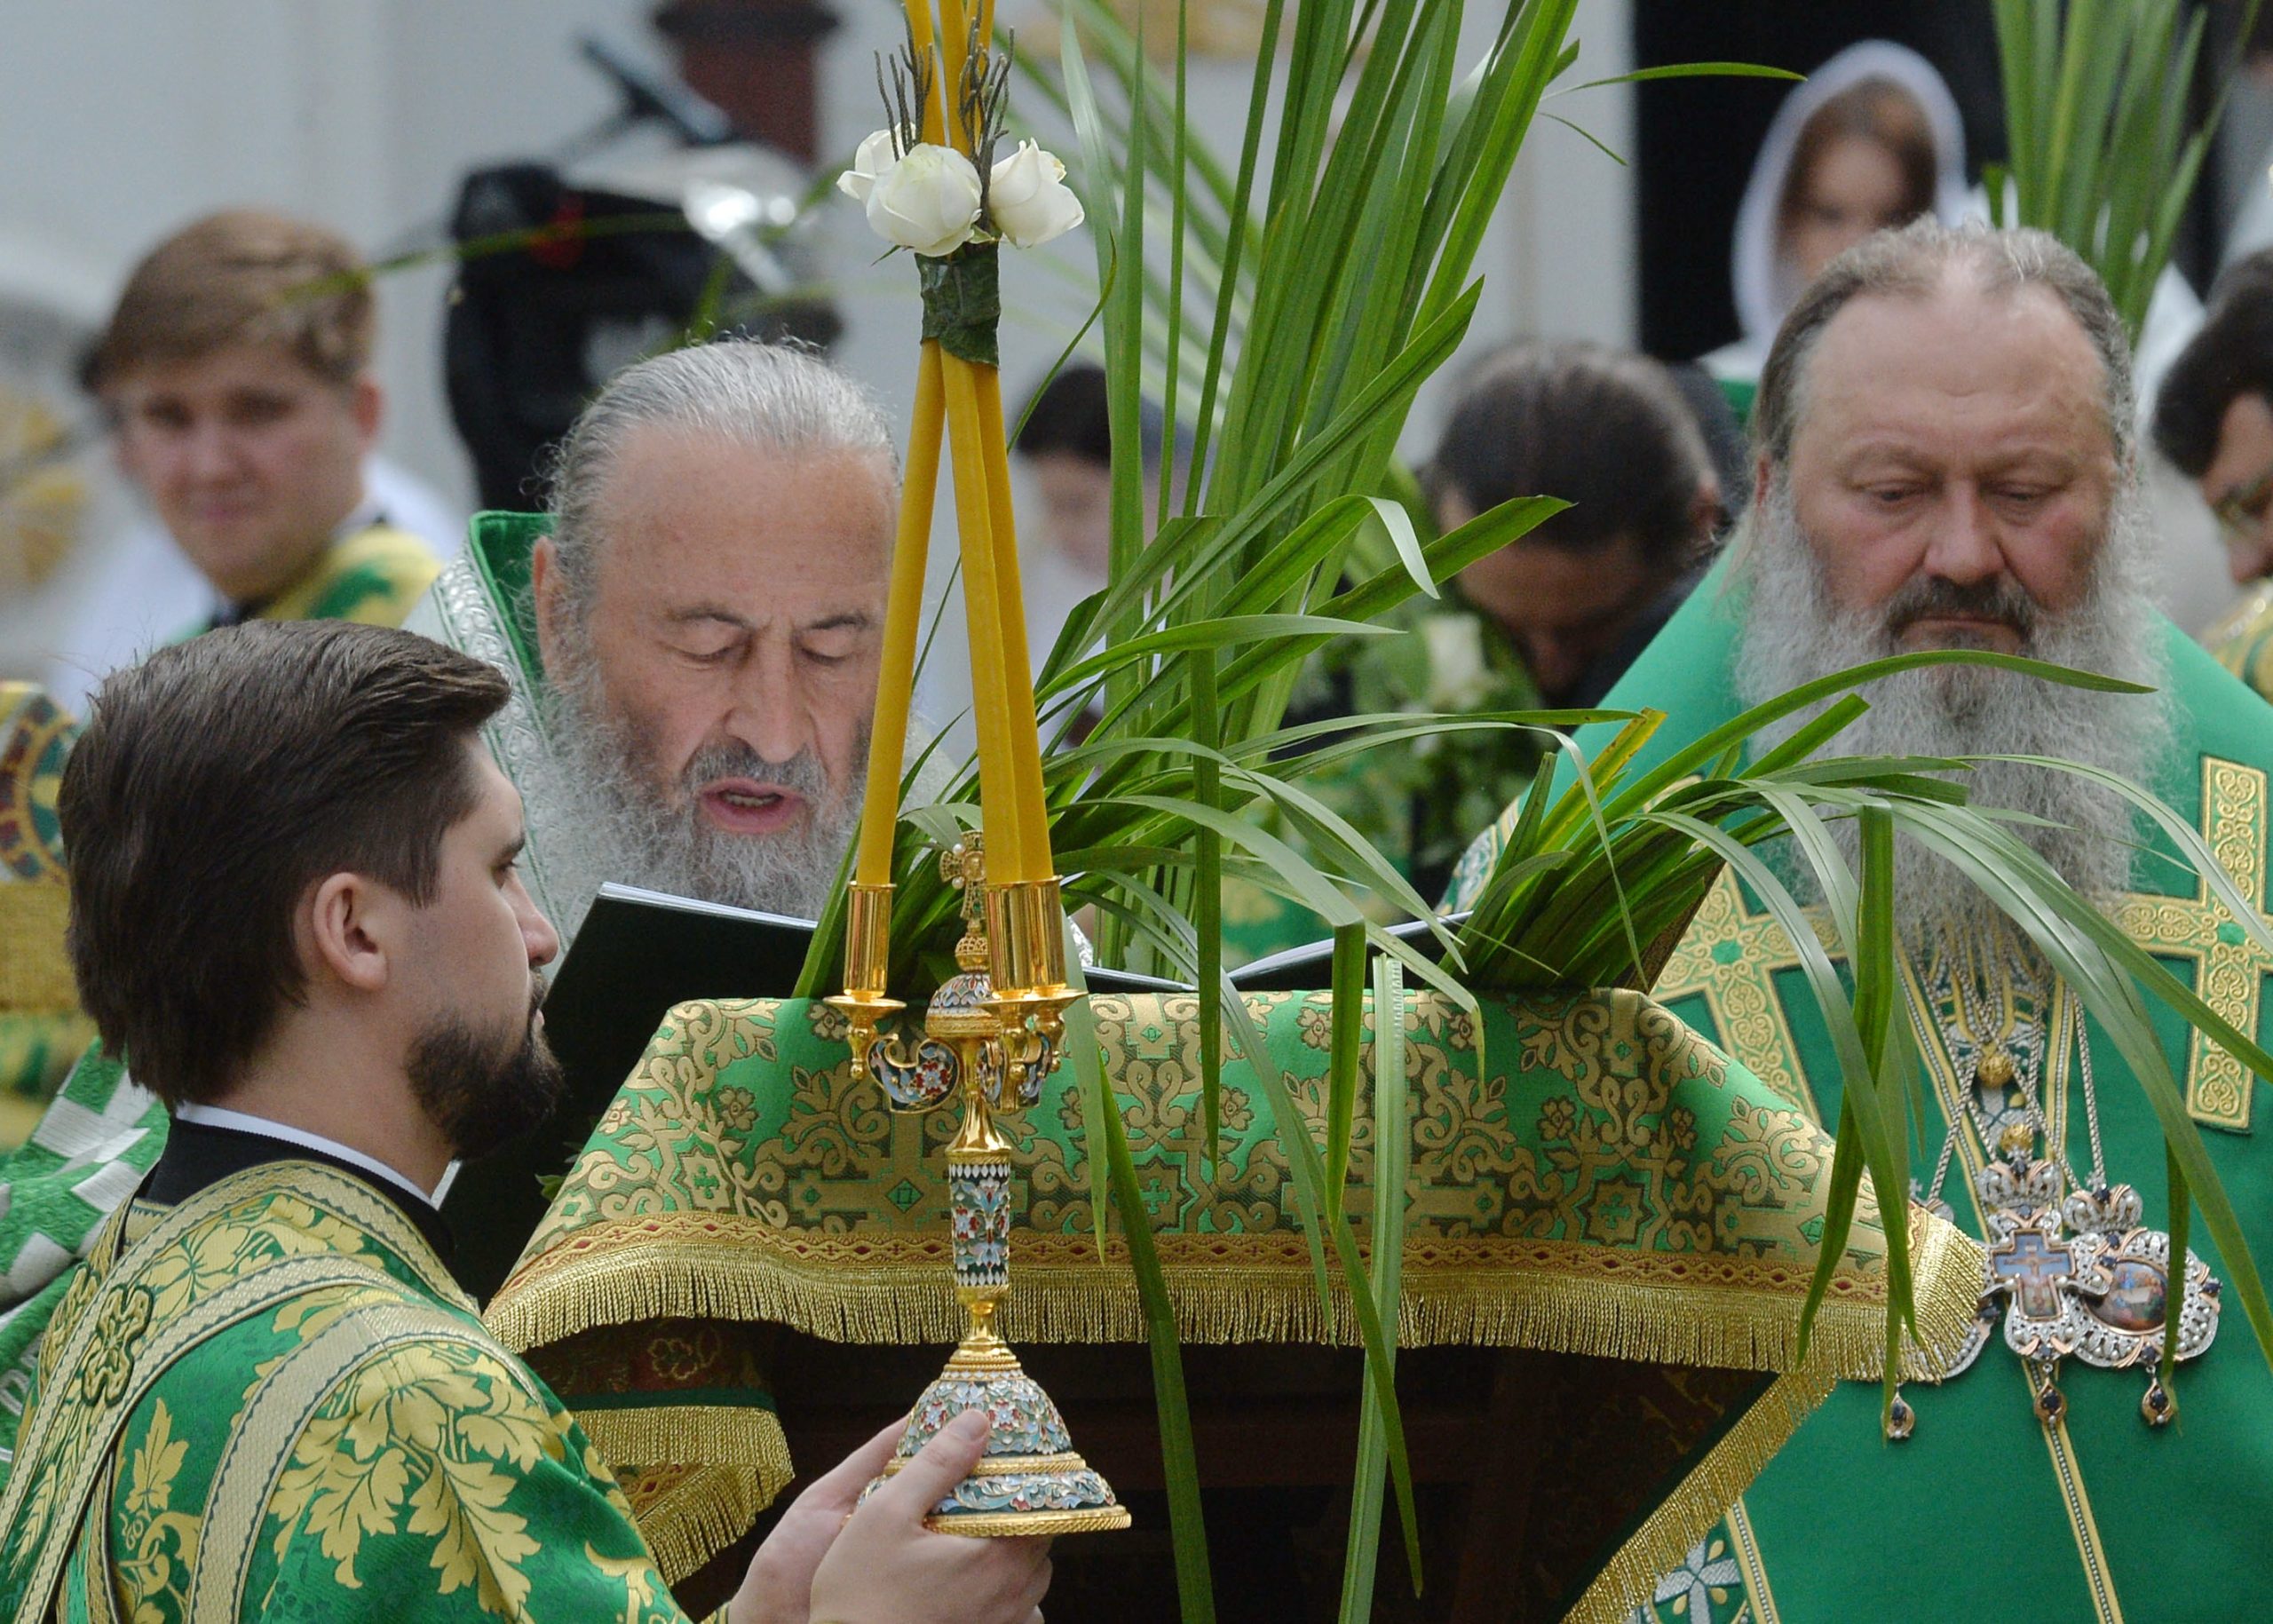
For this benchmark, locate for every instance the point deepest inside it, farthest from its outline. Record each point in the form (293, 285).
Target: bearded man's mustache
(2001, 599)
(801, 772)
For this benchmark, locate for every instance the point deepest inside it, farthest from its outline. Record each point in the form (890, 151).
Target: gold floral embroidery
(76, 1295)
(218, 1251)
(310, 1314)
(429, 1439)
(159, 1544)
(123, 1321)
(638, 1573)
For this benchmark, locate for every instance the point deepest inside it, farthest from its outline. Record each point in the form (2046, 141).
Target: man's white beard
(1794, 633)
(640, 834)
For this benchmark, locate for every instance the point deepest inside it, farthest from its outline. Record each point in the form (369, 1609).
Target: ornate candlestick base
(1030, 1481)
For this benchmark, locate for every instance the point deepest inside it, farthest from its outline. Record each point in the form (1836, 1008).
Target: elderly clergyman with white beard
(1945, 459)
(692, 631)
(691, 635)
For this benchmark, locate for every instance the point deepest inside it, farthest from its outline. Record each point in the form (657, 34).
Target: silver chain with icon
(2072, 1269)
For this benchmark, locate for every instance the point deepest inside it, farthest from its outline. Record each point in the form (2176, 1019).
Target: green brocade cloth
(271, 1402)
(1985, 1512)
(1609, 1185)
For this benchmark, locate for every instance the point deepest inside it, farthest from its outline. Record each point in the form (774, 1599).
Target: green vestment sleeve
(431, 1483)
(271, 1402)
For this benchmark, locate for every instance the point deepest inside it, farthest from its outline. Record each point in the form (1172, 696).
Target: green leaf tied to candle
(962, 302)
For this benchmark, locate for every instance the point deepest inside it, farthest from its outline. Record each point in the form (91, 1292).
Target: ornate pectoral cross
(2033, 1264)
(2080, 1274)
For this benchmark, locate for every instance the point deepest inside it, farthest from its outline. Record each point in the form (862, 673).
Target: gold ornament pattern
(273, 1396)
(1617, 1126)
(2229, 971)
(1588, 1176)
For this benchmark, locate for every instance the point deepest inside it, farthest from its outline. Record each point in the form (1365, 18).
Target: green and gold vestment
(271, 1400)
(374, 574)
(2242, 640)
(1985, 1512)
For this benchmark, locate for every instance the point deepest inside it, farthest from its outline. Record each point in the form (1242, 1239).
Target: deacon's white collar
(216, 1116)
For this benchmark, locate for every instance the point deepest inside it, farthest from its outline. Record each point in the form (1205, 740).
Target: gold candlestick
(1031, 1479)
(867, 962)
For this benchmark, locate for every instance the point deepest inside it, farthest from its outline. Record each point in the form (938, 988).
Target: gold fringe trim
(743, 1463)
(683, 1434)
(1687, 1514)
(1557, 1296)
(699, 1516)
(36, 971)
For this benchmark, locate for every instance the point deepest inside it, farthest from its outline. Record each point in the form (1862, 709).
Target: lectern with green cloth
(751, 1237)
(1604, 1186)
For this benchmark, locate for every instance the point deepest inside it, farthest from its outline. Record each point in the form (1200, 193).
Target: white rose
(1028, 197)
(927, 200)
(875, 157)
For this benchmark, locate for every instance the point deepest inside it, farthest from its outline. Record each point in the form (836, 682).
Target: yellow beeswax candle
(1018, 675)
(955, 41)
(904, 614)
(991, 701)
(919, 37)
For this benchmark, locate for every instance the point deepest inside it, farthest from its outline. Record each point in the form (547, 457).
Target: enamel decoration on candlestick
(931, 183)
(1030, 1481)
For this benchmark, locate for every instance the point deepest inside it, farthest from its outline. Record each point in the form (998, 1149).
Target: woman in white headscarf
(1872, 139)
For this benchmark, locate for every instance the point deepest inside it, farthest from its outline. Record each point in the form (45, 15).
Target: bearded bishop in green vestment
(1937, 466)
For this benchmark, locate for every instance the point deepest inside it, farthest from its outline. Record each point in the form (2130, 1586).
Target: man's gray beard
(611, 793)
(1794, 633)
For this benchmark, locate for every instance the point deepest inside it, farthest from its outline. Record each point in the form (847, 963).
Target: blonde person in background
(235, 374)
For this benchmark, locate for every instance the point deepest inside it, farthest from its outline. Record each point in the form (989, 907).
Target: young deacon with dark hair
(294, 907)
(1610, 433)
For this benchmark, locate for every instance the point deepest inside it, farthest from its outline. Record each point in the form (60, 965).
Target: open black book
(638, 952)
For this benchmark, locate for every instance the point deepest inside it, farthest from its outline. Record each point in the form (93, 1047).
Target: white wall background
(122, 119)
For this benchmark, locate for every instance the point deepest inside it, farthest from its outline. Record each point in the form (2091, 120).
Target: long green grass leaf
(1309, 1199)
(1346, 1029)
(1392, 1146)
